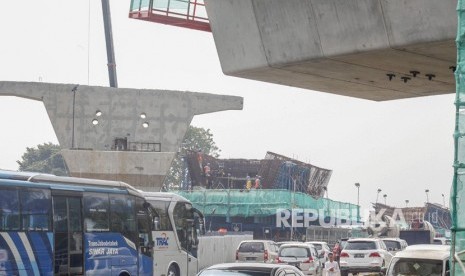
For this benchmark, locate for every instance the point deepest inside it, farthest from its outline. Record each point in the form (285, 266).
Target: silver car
(323, 250)
(301, 255)
(263, 251)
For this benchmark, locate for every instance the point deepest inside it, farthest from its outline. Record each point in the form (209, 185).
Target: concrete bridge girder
(345, 47)
(88, 119)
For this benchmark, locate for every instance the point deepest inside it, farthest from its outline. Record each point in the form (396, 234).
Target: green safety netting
(458, 192)
(263, 203)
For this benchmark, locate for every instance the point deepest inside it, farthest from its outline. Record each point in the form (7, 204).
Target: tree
(196, 138)
(46, 158)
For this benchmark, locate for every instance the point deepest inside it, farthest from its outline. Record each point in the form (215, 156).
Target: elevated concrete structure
(130, 135)
(346, 47)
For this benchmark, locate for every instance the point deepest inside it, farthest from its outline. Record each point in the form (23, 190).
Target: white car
(364, 255)
(301, 255)
(442, 241)
(323, 250)
(424, 259)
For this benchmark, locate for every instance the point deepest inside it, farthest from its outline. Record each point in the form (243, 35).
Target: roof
(37, 179)
(163, 195)
(257, 241)
(392, 239)
(257, 266)
(295, 244)
(363, 239)
(425, 251)
(435, 247)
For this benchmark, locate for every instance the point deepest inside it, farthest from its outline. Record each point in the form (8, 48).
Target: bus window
(122, 216)
(96, 207)
(162, 221)
(9, 210)
(35, 205)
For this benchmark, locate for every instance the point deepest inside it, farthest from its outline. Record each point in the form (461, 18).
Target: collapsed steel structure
(275, 171)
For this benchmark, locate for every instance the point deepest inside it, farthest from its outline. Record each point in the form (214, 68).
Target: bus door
(145, 246)
(184, 221)
(68, 243)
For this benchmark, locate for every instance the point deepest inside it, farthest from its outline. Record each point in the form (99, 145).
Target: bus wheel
(172, 271)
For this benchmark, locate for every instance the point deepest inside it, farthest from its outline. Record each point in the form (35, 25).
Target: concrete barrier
(219, 249)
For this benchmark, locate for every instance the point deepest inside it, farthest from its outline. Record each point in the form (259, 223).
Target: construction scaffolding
(257, 203)
(274, 172)
(438, 215)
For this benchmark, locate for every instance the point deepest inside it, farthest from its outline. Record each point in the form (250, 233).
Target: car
(264, 251)
(364, 255)
(394, 245)
(323, 250)
(301, 255)
(443, 241)
(424, 259)
(250, 269)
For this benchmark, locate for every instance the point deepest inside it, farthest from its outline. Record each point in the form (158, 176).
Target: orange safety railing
(190, 14)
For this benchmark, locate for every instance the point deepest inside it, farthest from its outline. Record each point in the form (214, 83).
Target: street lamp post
(443, 201)
(406, 202)
(385, 196)
(427, 195)
(358, 201)
(379, 191)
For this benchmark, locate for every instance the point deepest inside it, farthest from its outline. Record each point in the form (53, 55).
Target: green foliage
(196, 138)
(46, 158)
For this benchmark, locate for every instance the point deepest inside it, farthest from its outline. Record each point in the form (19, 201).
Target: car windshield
(299, 252)
(252, 247)
(392, 245)
(415, 267)
(360, 245)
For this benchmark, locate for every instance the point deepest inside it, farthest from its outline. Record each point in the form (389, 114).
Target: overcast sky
(402, 147)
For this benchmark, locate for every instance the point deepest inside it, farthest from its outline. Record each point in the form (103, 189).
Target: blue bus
(52, 225)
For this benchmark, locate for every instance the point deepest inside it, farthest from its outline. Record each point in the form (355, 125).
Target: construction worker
(257, 182)
(248, 183)
(206, 171)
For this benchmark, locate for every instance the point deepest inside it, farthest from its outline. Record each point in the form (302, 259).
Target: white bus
(175, 234)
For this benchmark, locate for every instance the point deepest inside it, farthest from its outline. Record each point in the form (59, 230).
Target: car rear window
(360, 245)
(294, 252)
(392, 244)
(252, 247)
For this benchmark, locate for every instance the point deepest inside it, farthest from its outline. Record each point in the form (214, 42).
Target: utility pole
(358, 201)
(109, 42)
